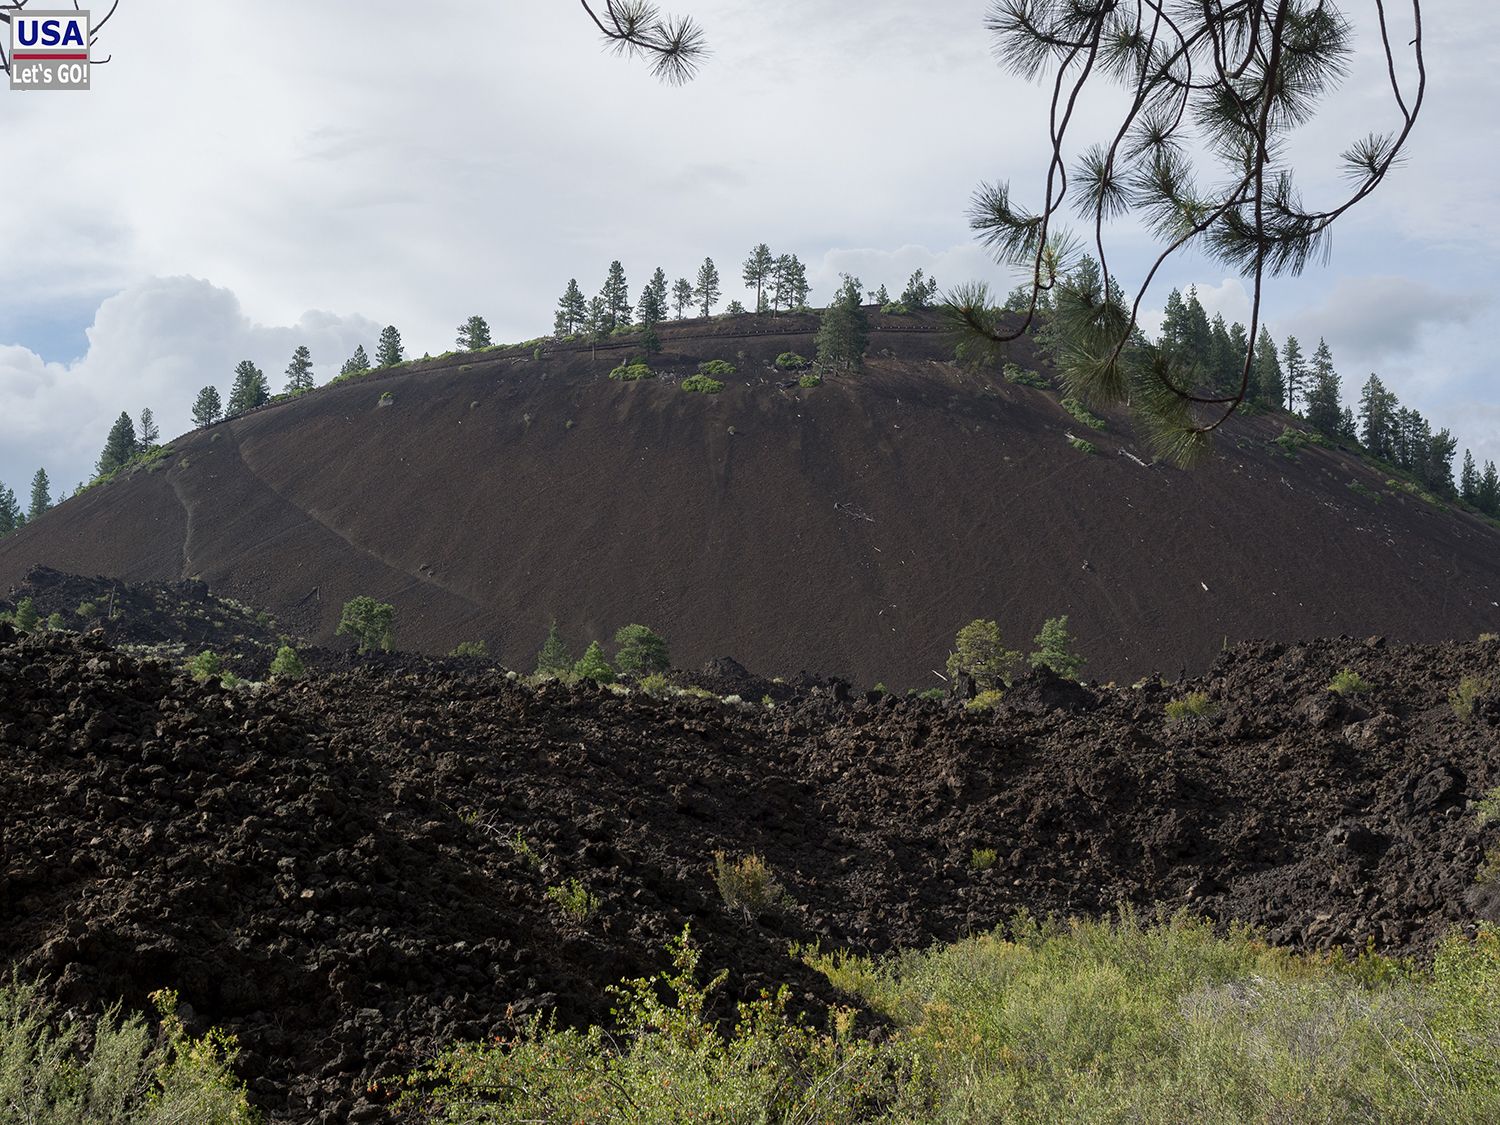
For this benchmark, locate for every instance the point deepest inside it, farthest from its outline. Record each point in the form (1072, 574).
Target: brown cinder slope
(851, 527)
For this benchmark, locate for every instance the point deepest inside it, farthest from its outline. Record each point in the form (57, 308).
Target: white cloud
(153, 344)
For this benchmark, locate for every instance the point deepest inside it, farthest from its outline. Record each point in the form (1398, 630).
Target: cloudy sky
(243, 178)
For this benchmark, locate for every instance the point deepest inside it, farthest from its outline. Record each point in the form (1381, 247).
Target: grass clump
(631, 372)
(1463, 697)
(747, 884)
(1081, 414)
(1187, 708)
(716, 367)
(982, 859)
(791, 361)
(702, 384)
(1487, 808)
(523, 851)
(122, 1073)
(1349, 682)
(576, 901)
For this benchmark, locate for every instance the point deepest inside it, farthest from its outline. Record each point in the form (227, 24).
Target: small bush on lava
(747, 884)
(207, 665)
(985, 701)
(287, 665)
(982, 859)
(716, 367)
(1193, 705)
(809, 381)
(791, 361)
(1487, 808)
(592, 666)
(471, 648)
(575, 900)
(369, 622)
(1349, 682)
(702, 384)
(631, 372)
(1463, 697)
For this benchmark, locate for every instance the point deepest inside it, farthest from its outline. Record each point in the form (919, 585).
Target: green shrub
(56, 622)
(1193, 705)
(521, 848)
(471, 648)
(982, 859)
(702, 384)
(808, 381)
(117, 1072)
(630, 372)
(574, 900)
(936, 694)
(25, 618)
(386, 398)
(655, 685)
(895, 308)
(1463, 697)
(986, 700)
(287, 665)
(592, 666)
(667, 1061)
(1081, 414)
(978, 653)
(639, 650)
(207, 665)
(87, 610)
(747, 884)
(1014, 374)
(1487, 808)
(716, 367)
(1367, 493)
(369, 622)
(791, 361)
(1083, 446)
(1348, 682)
(553, 659)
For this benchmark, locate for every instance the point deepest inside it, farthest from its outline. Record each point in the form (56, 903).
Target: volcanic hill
(850, 527)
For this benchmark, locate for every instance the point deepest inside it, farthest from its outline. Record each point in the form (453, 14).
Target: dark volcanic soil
(850, 528)
(324, 868)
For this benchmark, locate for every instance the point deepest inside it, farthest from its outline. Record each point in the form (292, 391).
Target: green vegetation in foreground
(1091, 1022)
(124, 1073)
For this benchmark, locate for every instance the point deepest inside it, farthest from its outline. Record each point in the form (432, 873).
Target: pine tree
(758, 270)
(880, 297)
(1054, 649)
(11, 516)
(706, 291)
(1267, 371)
(734, 308)
(596, 324)
(1175, 329)
(1488, 497)
(682, 296)
(1468, 480)
(119, 447)
(652, 307)
(474, 334)
(1324, 408)
(1377, 407)
(639, 651)
(206, 407)
(1225, 361)
(150, 432)
(1347, 428)
(41, 494)
(554, 658)
(843, 331)
(299, 375)
(572, 311)
(1200, 335)
(389, 352)
(616, 298)
(592, 666)
(249, 390)
(1438, 474)
(1295, 368)
(919, 293)
(789, 286)
(356, 364)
